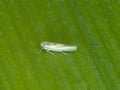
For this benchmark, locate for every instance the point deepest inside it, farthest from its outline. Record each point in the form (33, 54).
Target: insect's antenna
(40, 50)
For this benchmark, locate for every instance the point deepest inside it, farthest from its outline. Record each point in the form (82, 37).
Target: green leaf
(92, 25)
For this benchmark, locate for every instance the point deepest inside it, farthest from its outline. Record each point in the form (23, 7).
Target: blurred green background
(92, 25)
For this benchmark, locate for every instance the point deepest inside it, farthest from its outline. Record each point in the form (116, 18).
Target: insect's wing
(59, 45)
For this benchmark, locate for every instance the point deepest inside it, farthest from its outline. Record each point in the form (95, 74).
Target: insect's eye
(47, 43)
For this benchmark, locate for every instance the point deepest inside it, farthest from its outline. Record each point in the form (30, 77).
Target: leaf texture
(92, 25)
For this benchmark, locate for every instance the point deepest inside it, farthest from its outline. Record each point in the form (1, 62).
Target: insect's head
(43, 44)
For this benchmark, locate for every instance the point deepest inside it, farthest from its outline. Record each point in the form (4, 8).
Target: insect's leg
(64, 53)
(40, 50)
(50, 52)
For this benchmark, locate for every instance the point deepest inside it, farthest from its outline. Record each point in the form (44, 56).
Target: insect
(56, 47)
